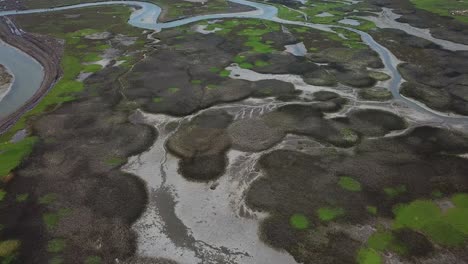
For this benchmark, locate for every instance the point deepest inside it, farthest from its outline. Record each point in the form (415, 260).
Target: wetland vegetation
(333, 168)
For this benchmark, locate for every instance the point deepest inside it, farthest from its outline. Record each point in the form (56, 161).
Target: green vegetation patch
(9, 247)
(449, 228)
(260, 63)
(372, 210)
(384, 240)
(368, 256)
(93, 260)
(444, 7)
(3, 193)
(22, 197)
(11, 154)
(91, 57)
(92, 68)
(158, 99)
(460, 200)
(224, 73)
(246, 65)
(56, 245)
(56, 260)
(174, 89)
(115, 161)
(393, 192)
(48, 198)
(349, 184)
(299, 221)
(330, 213)
(51, 219)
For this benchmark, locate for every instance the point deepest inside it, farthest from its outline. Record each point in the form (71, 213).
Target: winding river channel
(146, 17)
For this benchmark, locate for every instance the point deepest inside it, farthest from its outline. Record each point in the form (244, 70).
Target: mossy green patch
(196, 81)
(22, 197)
(460, 200)
(239, 59)
(116, 161)
(349, 135)
(52, 219)
(55, 245)
(246, 65)
(224, 73)
(393, 192)
(9, 247)
(330, 213)
(371, 210)
(215, 69)
(93, 260)
(92, 68)
(368, 256)
(260, 63)
(299, 221)
(444, 7)
(211, 86)
(3, 193)
(158, 99)
(56, 260)
(11, 154)
(450, 228)
(91, 57)
(47, 199)
(349, 184)
(174, 89)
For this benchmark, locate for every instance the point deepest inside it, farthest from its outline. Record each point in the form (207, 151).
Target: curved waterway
(146, 17)
(28, 78)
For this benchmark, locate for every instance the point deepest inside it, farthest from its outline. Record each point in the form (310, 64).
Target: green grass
(246, 65)
(215, 69)
(382, 241)
(349, 184)
(91, 57)
(9, 247)
(56, 260)
(260, 63)
(22, 197)
(55, 245)
(92, 68)
(47, 199)
(393, 192)
(224, 73)
(449, 228)
(288, 14)
(368, 256)
(115, 161)
(443, 7)
(93, 260)
(460, 200)
(11, 154)
(330, 213)
(371, 210)
(2, 195)
(158, 99)
(52, 219)
(299, 221)
(174, 89)
(196, 82)
(211, 86)
(239, 59)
